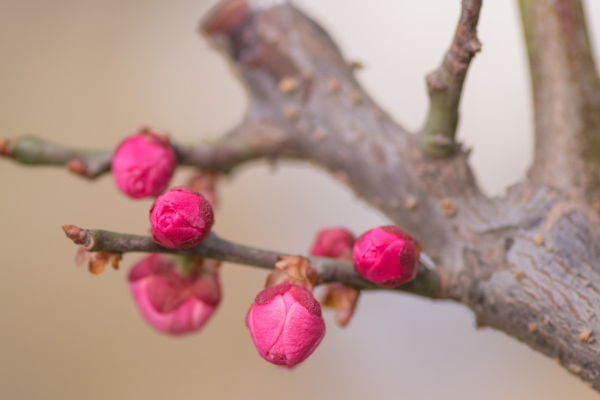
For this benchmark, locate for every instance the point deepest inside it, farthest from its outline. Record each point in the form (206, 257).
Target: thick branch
(299, 81)
(247, 143)
(446, 83)
(426, 284)
(482, 246)
(566, 93)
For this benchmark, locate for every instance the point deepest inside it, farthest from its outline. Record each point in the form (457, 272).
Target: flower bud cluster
(178, 296)
(175, 296)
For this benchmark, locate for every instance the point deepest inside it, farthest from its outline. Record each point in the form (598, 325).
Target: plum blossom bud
(170, 301)
(386, 256)
(181, 218)
(285, 324)
(334, 243)
(143, 164)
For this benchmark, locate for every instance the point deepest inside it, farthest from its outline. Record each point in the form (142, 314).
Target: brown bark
(526, 264)
(566, 94)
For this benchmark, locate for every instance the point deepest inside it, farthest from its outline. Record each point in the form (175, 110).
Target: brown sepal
(342, 299)
(100, 259)
(293, 269)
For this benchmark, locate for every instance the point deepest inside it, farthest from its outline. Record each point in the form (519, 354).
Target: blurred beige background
(89, 72)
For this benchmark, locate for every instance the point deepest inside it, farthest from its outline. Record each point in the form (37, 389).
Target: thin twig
(446, 83)
(244, 144)
(426, 284)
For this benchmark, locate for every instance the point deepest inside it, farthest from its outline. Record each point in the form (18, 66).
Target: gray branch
(248, 142)
(426, 283)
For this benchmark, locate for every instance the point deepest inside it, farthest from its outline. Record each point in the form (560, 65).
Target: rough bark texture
(566, 93)
(527, 264)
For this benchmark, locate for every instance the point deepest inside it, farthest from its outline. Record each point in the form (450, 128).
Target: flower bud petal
(169, 302)
(386, 256)
(334, 243)
(285, 324)
(143, 164)
(181, 218)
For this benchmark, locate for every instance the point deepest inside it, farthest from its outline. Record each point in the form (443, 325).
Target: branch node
(288, 85)
(586, 336)
(448, 208)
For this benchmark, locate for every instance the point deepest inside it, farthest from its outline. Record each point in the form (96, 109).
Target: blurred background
(87, 73)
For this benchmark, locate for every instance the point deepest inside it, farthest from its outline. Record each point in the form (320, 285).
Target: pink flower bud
(285, 324)
(386, 256)
(334, 243)
(170, 302)
(181, 218)
(143, 164)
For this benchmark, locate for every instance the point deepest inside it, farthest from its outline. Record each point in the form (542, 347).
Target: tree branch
(566, 94)
(483, 247)
(445, 84)
(526, 264)
(426, 284)
(289, 63)
(31, 150)
(246, 143)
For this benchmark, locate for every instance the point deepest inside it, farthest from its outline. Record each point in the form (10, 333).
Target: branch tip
(79, 236)
(77, 167)
(445, 84)
(5, 148)
(224, 17)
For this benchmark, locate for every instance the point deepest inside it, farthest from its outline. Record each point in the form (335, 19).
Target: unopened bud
(169, 301)
(143, 164)
(181, 218)
(334, 243)
(285, 324)
(386, 256)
